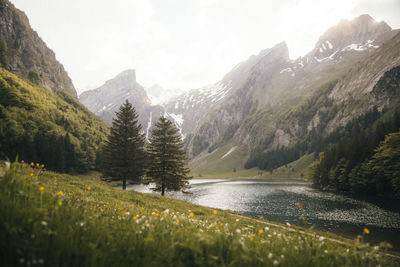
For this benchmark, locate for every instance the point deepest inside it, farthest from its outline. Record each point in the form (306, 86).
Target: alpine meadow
(200, 133)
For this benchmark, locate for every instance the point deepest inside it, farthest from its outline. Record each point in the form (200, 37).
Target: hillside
(52, 127)
(52, 219)
(23, 52)
(283, 103)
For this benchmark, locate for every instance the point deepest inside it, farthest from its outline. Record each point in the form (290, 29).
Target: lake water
(275, 200)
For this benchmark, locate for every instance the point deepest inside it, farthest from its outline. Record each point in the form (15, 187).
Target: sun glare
(303, 22)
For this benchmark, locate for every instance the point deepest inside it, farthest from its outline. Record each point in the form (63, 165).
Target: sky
(183, 44)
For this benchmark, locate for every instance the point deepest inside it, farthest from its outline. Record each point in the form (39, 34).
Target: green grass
(51, 219)
(295, 169)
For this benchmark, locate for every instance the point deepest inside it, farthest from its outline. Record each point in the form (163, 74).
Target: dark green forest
(366, 160)
(53, 128)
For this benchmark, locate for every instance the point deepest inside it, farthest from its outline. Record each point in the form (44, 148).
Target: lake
(275, 200)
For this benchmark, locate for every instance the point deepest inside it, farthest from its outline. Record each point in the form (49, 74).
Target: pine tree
(167, 170)
(123, 153)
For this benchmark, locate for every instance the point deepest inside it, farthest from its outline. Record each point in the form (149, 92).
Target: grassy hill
(53, 127)
(52, 219)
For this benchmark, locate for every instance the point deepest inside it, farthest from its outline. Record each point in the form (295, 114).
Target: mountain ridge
(23, 52)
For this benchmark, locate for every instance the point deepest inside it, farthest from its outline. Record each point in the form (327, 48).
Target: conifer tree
(123, 153)
(167, 169)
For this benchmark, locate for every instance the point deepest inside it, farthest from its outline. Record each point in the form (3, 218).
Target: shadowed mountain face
(23, 52)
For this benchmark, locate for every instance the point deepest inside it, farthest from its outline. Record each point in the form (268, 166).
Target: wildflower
(214, 212)
(221, 224)
(321, 238)
(366, 231)
(260, 231)
(299, 205)
(177, 221)
(41, 188)
(266, 228)
(82, 224)
(251, 238)
(37, 164)
(134, 218)
(101, 210)
(238, 231)
(31, 174)
(60, 203)
(325, 251)
(191, 214)
(119, 217)
(270, 255)
(44, 223)
(59, 193)
(78, 200)
(276, 262)
(32, 164)
(89, 188)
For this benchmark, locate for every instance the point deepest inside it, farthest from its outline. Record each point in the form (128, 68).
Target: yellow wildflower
(134, 218)
(366, 231)
(101, 210)
(37, 164)
(32, 164)
(89, 188)
(191, 214)
(251, 238)
(260, 231)
(59, 193)
(42, 166)
(60, 203)
(221, 224)
(119, 217)
(41, 188)
(31, 174)
(177, 221)
(214, 212)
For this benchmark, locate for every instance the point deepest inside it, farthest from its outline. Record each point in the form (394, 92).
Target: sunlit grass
(53, 219)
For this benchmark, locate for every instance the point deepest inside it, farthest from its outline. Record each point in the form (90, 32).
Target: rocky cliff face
(106, 100)
(23, 52)
(274, 102)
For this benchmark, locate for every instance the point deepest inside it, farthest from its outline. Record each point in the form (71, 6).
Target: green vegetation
(52, 219)
(3, 54)
(167, 169)
(123, 156)
(365, 160)
(39, 125)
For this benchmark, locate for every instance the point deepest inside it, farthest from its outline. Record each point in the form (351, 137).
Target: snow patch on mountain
(229, 152)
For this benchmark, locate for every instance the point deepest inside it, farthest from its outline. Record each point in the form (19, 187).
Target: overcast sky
(183, 43)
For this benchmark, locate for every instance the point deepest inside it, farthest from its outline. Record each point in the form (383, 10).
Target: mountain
(51, 128)
(106, 100)
(23, 52)
(270, 102)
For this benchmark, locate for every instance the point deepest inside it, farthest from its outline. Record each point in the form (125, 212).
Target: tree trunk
(162, 190)
(124, 184)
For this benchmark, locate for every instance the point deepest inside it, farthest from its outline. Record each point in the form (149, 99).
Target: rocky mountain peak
(358, 34)
(106, 100)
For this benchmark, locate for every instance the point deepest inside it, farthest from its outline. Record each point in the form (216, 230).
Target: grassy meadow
(52, 219)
